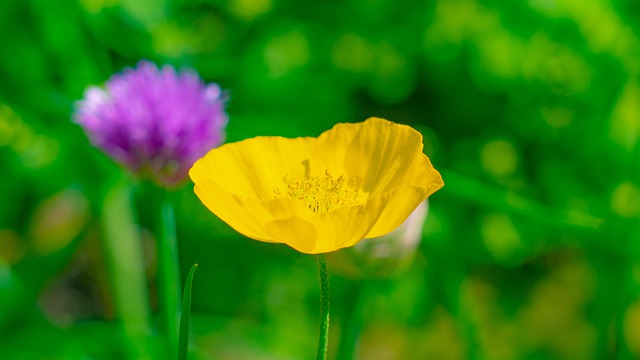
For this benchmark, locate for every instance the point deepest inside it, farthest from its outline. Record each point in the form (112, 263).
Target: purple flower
(155, 122)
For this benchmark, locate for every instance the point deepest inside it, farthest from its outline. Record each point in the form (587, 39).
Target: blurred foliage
(530, 108)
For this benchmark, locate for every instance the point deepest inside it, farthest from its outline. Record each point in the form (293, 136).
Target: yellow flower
(321, 194)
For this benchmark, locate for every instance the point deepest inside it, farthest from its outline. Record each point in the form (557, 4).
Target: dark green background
(530, 110)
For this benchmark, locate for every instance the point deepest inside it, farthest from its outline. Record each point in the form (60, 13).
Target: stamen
(320, 193)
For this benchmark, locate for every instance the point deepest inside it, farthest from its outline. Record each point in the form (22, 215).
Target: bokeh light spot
(632, 327)
(500, 236)
(499, 158)
(557, 117)
(285, 53)
(11, 247)
(250, 9)
(10, 125)
(625, 200)
(352, 53)
(624, 127)
(58, 220)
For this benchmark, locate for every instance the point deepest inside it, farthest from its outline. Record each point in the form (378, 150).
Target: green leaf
(183, 341)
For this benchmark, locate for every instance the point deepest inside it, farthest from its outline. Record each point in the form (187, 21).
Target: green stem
(323, 340)
(169, 275)
(125, 262)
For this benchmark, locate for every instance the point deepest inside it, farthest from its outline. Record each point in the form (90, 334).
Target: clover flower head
(156, 122)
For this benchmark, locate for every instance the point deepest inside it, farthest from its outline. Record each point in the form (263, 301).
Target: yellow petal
(399, 205)
(327, 232)
(296, 232)
(377, 153)
(246, 215)
(250, 168)
(420, 182)
(231, 209)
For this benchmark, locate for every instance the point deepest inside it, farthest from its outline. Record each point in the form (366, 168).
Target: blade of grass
(502, 199)
(183, 341)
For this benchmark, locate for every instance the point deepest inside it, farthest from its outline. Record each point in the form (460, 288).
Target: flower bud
(385, 255)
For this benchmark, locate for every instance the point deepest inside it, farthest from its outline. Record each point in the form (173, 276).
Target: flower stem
(169, 274)
(323, 340)
(125, 261)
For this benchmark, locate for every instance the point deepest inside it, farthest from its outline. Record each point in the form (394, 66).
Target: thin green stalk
(125, 263)
(169, 275)
(323, 340)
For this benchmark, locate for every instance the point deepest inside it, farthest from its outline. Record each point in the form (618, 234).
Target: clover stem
(323, 340)
(169, 274)
(125, 263)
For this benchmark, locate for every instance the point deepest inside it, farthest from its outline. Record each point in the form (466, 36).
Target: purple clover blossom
(156, 122)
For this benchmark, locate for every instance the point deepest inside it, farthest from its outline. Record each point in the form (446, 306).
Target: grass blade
(183, 340)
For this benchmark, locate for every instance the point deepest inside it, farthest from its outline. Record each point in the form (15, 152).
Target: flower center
(320, 193)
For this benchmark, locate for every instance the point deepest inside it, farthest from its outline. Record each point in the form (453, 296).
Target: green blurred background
(530, 109)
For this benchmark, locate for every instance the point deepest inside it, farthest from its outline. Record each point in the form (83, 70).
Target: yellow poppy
(321, 194)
